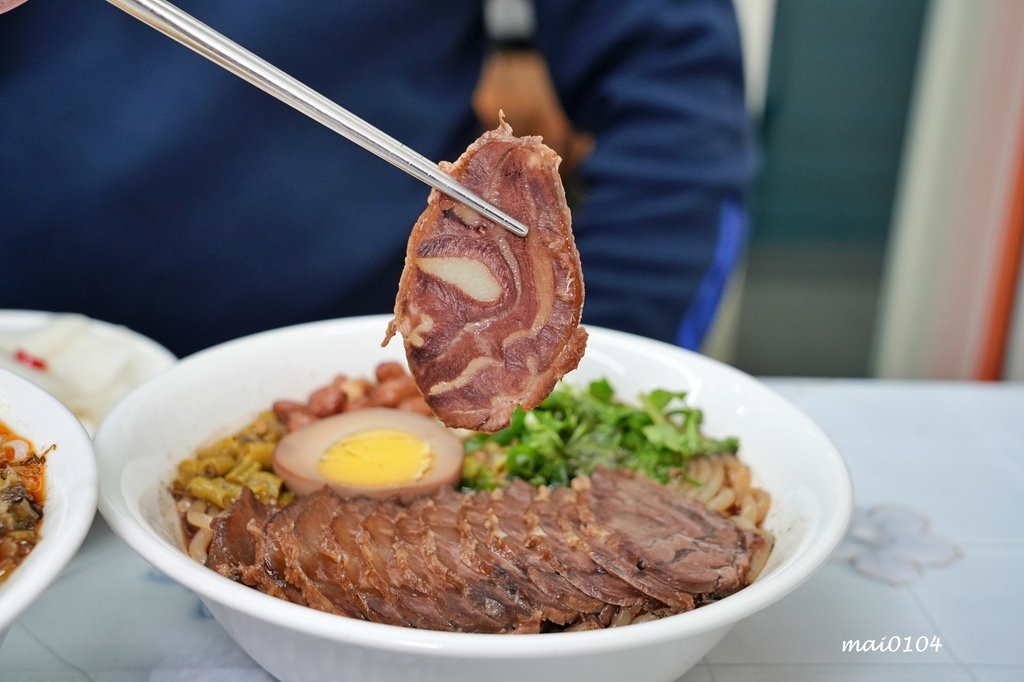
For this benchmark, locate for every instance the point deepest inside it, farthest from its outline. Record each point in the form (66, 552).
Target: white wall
(957, 177)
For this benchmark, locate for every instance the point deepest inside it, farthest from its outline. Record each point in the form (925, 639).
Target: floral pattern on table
(893, 544)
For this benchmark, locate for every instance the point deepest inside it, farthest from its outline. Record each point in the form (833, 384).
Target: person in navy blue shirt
(143, 185)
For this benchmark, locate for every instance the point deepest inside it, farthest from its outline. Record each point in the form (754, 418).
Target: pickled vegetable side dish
(22, 489)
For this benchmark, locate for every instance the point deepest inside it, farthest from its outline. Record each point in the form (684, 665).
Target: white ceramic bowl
(71, 489)
(218, 390)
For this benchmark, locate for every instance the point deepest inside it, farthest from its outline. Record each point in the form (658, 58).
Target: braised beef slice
(547, 537)
(442, 546)
(377, 543)
(614, 556)
(724, 541)
(724, 549)
(490, 320)
(318, 577)
(418, 573)
(614, 546)
(508, 535)
(232, 548)
(472, 523)
(342, 543)
(705, 554)
(268, 573)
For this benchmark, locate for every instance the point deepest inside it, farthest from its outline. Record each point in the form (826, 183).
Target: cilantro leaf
(575, 430)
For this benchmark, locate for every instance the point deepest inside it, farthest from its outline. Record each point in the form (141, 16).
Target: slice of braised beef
(317, 576)
(508, 536)
(547, 537)
(442, 546)
(614, 555)
(232, 548)
(377, 543)
(490, 320)
(705, 554)
(418, 572)
(268, 574)
(472, 523)
(342, 543)
(614, 547)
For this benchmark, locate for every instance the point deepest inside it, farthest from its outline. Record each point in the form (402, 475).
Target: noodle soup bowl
(219, 390)
(70, 491)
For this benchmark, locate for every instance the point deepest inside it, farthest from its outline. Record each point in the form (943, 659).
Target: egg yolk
(376, 458)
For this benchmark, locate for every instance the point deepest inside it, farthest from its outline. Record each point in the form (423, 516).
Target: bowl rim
(210, 586)
(58, 544)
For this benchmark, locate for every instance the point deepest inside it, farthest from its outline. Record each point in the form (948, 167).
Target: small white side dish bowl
(71, 489)
(87, 364)
(218, 390)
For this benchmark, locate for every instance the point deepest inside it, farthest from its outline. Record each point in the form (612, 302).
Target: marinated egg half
(373, 452)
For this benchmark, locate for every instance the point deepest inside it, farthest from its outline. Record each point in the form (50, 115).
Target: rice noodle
(197, 516)
(200, 544)
(722, 500)
(723, 483)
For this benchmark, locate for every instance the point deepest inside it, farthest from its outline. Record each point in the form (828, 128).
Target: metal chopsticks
(192, 33)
